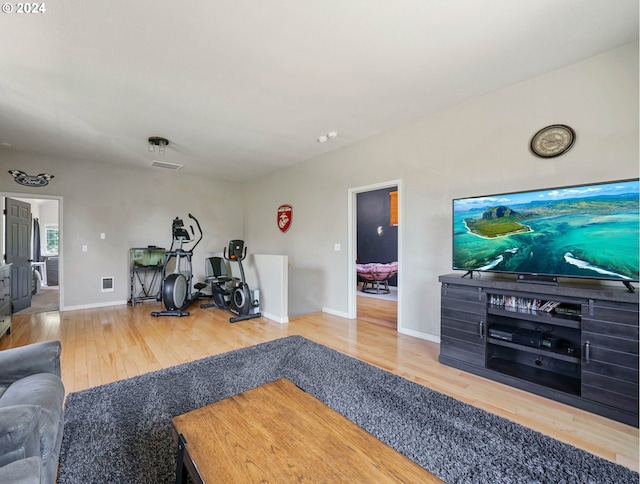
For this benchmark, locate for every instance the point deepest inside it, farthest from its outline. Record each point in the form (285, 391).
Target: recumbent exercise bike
(230, 293)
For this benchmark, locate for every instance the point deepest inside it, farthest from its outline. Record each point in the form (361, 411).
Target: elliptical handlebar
(199, 230)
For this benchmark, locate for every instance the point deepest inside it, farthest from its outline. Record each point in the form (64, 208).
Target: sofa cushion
(23, 471)
(46, 391)
(19, 432)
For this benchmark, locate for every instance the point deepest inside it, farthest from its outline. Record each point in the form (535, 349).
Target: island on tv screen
(588, 231)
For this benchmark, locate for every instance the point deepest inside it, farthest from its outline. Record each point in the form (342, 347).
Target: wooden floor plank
(102, 345)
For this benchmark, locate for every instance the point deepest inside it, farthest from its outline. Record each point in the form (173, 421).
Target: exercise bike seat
(219, 279)
(223, 281)
(216, 273)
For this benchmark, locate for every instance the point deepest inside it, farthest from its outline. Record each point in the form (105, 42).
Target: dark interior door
(18, 243)
(377, 239)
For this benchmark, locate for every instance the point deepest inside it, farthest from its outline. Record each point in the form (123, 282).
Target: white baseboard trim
(277, 319)
(336, 313)
(93, 306)
(419, 334)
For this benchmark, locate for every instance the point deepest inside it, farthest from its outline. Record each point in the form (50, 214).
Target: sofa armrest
(16, 363)
(19, 432)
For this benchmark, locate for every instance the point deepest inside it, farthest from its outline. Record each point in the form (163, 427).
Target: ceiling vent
(166, 165)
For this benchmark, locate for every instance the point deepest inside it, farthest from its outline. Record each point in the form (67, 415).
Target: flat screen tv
(584, 231)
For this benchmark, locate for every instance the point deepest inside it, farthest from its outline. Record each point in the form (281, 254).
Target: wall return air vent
(106, 284)
(166, 165)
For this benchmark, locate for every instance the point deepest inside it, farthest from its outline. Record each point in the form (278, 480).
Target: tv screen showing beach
(588, 231)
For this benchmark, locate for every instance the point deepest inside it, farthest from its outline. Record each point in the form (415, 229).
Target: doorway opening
(44, 279)
(377, 307)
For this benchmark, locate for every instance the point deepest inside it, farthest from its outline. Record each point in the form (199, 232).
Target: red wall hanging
(285, 216)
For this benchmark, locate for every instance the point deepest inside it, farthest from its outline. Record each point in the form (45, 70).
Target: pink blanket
(375, 271)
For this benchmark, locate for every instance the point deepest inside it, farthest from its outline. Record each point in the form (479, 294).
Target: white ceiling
(245, 87)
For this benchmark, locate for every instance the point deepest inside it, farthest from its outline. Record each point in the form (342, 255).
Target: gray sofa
(31, 414)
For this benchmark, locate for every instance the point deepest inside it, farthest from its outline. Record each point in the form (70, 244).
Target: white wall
(134, 208)
(480, 147)
(270, 274)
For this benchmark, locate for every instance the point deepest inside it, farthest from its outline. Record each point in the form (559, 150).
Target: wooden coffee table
(279, 433)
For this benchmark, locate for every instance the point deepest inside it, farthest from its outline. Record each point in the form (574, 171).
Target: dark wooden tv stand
(576, 343)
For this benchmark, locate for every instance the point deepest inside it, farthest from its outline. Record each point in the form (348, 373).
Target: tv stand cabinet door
(463, 319)
(610, 354)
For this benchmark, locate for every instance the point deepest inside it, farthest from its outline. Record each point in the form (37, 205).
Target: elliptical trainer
(174, 290)
(230, 293)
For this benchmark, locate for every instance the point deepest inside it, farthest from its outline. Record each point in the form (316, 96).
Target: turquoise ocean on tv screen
(587, 232)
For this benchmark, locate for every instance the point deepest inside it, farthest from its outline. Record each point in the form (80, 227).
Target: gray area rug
(121, 432)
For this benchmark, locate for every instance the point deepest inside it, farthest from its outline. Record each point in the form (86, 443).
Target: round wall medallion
(552, 141)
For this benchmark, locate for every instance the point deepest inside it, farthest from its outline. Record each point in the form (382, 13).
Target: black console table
(574, 343)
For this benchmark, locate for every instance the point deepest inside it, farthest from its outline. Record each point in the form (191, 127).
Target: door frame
(352, 246)
(37, 196)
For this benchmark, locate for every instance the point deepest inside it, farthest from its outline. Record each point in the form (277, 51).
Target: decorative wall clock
(552, 141)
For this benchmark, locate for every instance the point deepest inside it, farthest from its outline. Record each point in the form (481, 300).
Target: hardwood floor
(104, 345)
(377, 311)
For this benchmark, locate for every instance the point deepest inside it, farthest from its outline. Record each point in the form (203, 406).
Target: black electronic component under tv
(583, 231)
